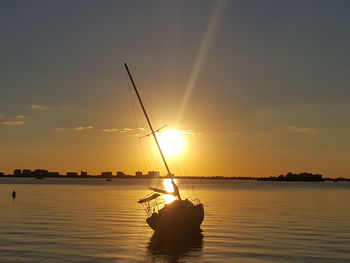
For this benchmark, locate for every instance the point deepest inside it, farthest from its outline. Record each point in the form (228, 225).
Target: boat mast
(148, 120)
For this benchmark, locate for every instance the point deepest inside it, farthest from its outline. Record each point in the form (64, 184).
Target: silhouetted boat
(175, 218)
(39, 177)
(108, 179)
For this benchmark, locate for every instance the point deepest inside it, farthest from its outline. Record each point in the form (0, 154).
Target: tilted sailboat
(178, 216)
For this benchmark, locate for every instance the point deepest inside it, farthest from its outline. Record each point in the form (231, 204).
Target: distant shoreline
(178, 177)
(42, 173)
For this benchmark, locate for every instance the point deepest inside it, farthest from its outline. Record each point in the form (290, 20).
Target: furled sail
(162, 191)
(147, 199)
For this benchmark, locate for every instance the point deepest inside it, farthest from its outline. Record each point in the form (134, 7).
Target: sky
(258, 88)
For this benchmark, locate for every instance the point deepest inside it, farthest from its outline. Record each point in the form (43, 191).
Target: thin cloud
(110, 130)
(186, 132)
(13, 123)
(304, 130)
(190, 132)
(81, 128)
(20, 116)
(37, 107)
(125, 130)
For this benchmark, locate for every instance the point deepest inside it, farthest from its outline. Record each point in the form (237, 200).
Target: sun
(171, 142)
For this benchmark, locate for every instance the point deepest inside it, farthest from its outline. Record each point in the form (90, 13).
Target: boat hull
(180, 216)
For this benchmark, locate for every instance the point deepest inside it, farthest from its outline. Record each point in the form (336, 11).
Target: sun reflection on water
(169, 188)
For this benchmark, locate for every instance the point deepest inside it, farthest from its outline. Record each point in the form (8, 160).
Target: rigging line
(181, 168)
(149, 105)
(146, 161)
(147, 118)
(131, 99)
(154, 156)
(135, 116)
(154, 160)
(178, 163)
(144, 156)
(152, 107)
(190, 181)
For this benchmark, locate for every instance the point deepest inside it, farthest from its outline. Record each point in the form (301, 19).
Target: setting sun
(172, 142)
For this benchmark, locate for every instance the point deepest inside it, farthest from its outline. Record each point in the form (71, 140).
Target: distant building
(53, 174)
(40, 172)
(82, 173)
(106, 173)
(138, 173)
(71, 174)
(17, 172)
(26, 172)
(153, 174)
(120, 174)
(2, 174)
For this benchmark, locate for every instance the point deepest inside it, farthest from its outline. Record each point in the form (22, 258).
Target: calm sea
(92, 220)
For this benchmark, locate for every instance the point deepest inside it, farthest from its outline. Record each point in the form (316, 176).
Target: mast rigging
(153, 132)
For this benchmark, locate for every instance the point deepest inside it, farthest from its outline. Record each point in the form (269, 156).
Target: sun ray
(202, 54)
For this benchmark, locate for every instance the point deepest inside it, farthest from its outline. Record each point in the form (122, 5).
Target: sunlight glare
(171, 142)
(169, 188)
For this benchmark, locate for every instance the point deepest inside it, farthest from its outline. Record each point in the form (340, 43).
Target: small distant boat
(39, 177)
(177, 217)
(108, 179)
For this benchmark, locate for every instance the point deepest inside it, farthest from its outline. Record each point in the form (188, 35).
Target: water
(91, 220)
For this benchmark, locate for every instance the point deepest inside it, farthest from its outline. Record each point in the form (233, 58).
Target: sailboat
(181, 216)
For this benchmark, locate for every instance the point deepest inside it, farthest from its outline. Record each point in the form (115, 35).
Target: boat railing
(196, 201)
(154, 205)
